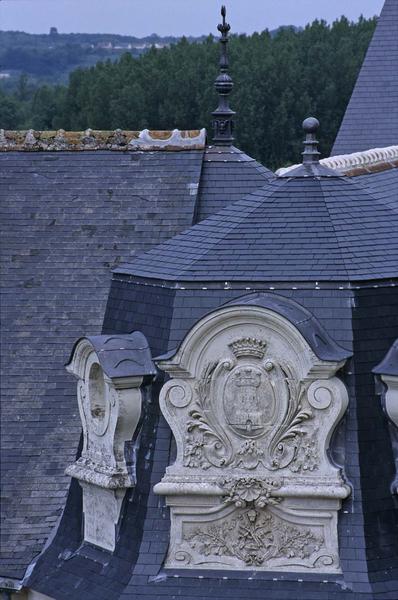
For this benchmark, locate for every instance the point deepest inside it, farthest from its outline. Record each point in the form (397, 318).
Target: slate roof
(371, 119)
(70, 214)
(217, 190)
(384, 186)
(317, 228)
(71, 571)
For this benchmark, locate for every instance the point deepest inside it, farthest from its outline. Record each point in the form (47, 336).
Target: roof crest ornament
(91, 140)
(146, 141)
(311, 165)
(357, 163)
(223, 123)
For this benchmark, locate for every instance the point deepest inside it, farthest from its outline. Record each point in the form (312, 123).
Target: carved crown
(248, 347)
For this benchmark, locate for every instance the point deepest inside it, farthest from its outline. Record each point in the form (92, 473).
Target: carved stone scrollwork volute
(110, 371)
(387, 386)
(252, 410)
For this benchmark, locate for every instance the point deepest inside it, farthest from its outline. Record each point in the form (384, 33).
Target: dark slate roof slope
(371, 119)
(227, 175)
(384, 186)
(75, 204)
(72, 571)
(294, 229)
(68, 218)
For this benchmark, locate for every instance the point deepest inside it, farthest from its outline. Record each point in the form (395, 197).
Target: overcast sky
(172, 17)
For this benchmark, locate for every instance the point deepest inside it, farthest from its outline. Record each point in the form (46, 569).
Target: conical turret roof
(371, 119)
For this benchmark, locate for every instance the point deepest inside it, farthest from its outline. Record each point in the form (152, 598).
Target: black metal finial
(311, 166)
(311, 154)
(223, 123)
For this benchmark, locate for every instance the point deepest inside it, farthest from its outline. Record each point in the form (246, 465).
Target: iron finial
(311, 153)
(223, 116)
(224, 27)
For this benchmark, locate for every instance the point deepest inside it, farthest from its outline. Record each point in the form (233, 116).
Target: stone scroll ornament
(386, 374)
(252, 410)
(110, 372)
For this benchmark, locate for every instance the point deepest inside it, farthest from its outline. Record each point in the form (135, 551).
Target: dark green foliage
(9, 111)
(279, 80)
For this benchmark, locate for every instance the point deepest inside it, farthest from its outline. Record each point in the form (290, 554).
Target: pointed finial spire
(310, 167)
(223, 116)
(311, 154)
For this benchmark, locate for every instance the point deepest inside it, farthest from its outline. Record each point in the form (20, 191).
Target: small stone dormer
(112, 372)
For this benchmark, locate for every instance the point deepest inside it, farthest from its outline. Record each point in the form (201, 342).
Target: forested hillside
(49, 58)
(279, 80)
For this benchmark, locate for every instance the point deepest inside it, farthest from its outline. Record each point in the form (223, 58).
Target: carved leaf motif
(249, 455)
(287, 440)
(204, 384)
(205, 444)
(307, 456)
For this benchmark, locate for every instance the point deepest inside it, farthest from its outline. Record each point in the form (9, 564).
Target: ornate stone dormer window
(252, 409)
(111, 372)
(387, 374)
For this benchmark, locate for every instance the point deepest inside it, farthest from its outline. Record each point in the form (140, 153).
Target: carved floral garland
(250, 491)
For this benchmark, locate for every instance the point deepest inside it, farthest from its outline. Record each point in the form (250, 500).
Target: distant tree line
(279, 80)
(49, 58)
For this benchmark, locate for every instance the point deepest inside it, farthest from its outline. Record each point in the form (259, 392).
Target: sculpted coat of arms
(249, 401)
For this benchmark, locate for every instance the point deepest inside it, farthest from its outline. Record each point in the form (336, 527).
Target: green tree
(280, 78)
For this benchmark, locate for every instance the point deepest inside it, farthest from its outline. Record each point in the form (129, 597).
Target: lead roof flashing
(321, 343)
(126, 355)
(389, 364)
(118, 140)
(124, 275)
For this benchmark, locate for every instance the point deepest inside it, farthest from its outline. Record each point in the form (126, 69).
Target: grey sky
(172, 17)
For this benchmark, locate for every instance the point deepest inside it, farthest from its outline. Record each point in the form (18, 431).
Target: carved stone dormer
(252, 410)
(111, 372)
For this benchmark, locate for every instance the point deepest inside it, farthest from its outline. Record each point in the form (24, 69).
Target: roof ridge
(335, 232)
(236, 223)
(90, 139)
